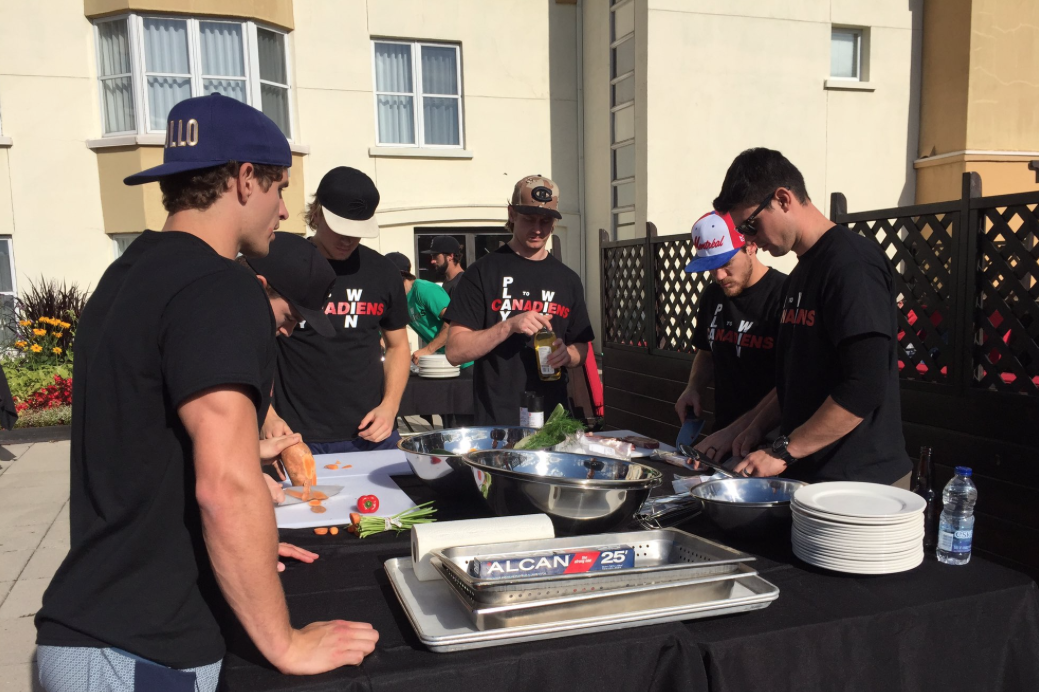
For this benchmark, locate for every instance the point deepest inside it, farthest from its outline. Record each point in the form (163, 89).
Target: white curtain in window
(116, 92)
(844, 54)
(439, 70)
(166, 52)
(440, 120)
(393, 67)
(221, 44)
(271, 51)
(275, 105)
(6, 277)
(393, 74)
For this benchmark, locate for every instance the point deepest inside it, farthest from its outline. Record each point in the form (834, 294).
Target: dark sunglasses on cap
(747, 229)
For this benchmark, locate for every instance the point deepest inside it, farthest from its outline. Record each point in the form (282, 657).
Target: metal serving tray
(442, 626)
(661, 556)
(604, 603)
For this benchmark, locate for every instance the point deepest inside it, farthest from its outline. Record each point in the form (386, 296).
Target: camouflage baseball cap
(536, 194)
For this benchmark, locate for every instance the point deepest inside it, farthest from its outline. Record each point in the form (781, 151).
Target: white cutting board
(369, 474)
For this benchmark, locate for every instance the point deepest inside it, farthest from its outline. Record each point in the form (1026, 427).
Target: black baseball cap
(443, 245)
(297, 271)
(208, 131)
(348, 201)
(400, 261)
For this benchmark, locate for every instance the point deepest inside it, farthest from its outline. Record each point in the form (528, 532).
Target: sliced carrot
(348, 466)
(331, 466)
(334, 530)
(295, 493)
(321, 530)
(351, 529)
(318, 509)
(314, 503)
(318, 495)
(355, 518)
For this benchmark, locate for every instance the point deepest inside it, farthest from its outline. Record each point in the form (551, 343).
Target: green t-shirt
(426, 300)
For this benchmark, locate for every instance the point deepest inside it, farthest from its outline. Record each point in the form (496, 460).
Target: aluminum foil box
(558, 562)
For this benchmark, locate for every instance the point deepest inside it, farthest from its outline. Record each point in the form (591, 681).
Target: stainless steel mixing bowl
(445, 472)
(748, 506)
(580, 493)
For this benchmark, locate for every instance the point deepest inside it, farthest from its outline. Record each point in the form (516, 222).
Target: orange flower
(40, 332)
(36, 348)
(21, 344)
(57, 350)
(58, 335)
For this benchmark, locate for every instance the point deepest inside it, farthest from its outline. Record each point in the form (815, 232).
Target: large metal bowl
(581, 494)
(748, 506)
(445, 473)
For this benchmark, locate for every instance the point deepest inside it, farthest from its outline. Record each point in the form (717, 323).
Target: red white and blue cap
(716, 240)
(208, 131)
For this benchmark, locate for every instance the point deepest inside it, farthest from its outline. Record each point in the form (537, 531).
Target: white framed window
(121, 241)
(418, 94)
(148, 63)
(8, 291)
(846, 53)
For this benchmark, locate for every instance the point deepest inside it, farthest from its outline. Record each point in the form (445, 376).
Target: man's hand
(760, 463)
(324, 646)
(271, 448)
(378, 424)
(418, 353)
(295, 552)
(528, 323)
(274, 426)
(747, 441)
(561, 356)
(277, 494)
(718, 444)
(689, 399)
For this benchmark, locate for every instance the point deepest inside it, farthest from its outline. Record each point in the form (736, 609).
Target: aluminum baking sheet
(443, 626)
(661, 555)
(578, 605)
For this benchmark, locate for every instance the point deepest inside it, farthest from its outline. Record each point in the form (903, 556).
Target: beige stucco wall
(941, 180)
(520, 109)
(711, 96)
(276, 12)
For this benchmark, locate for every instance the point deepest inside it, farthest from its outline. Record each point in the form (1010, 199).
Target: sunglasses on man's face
(747, 229)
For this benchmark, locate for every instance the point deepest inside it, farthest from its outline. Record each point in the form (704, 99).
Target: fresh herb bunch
(557, 428)
(401, 521)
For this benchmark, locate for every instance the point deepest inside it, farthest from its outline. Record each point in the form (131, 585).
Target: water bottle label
(961, 541)
(945, 540)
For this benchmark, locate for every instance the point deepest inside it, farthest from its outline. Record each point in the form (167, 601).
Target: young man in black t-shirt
(736, 323)
(509, 295)
(170, 520)
(338, 392)
(837, 394)
(446, 256)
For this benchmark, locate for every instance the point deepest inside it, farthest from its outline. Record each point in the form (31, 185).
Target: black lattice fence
(624, 293)
(676, 293)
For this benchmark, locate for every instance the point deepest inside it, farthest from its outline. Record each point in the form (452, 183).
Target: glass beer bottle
(543, 348)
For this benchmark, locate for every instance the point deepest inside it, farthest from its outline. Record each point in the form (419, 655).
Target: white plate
(845, 545)
(856, 556)
(863, 569)
(837, 520)
(439, 376)
(437, 371)
(817, 525)
(329, 490)
(862, 500)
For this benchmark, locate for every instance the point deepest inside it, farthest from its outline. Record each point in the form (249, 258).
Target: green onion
(401, 521)
(557, 428)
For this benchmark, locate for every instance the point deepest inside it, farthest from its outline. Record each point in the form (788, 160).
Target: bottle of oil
(543, 341)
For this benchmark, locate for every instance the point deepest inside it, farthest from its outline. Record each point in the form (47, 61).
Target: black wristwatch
(779, 450)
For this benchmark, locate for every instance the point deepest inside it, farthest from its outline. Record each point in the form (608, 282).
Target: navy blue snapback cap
(208, 131)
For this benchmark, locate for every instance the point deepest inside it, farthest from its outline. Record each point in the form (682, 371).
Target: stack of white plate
(862, 528)
(436, 367)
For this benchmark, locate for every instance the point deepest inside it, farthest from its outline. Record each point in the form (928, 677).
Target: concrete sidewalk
(34, 538)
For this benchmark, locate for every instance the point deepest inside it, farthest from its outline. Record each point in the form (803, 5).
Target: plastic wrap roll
(426, 538)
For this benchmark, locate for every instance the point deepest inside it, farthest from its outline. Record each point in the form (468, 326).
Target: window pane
(624, 58)
(118, 97)
(624, 162)
(625, 217)
(235, 88)
(166, 46)
(624, 124)
(222, 49)
(275, 105)
(396, 119)
(624, 21)
(440, 120)
(6, 281)
(439, 70)
(272, 56)
(624, 91)
(122, 242)
(163, 94)
(626, 232)
(114, 48)
(392, 67)
(844, 54)
(624, 195)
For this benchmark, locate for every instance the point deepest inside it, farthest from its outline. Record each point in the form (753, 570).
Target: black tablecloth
(936, 627)
(425, 397)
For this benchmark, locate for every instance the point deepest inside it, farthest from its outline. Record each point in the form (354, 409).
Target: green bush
(25, 382)
(61, 415)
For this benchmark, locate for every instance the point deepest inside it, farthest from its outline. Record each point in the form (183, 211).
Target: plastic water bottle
(956, 526)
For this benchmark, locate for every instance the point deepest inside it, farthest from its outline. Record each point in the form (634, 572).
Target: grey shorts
(86, 669)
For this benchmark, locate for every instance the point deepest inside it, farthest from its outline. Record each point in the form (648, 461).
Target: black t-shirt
(496, 287)
(168, 319)
(325, 385)
(841, 288)
(449, 284)
(740, 333)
